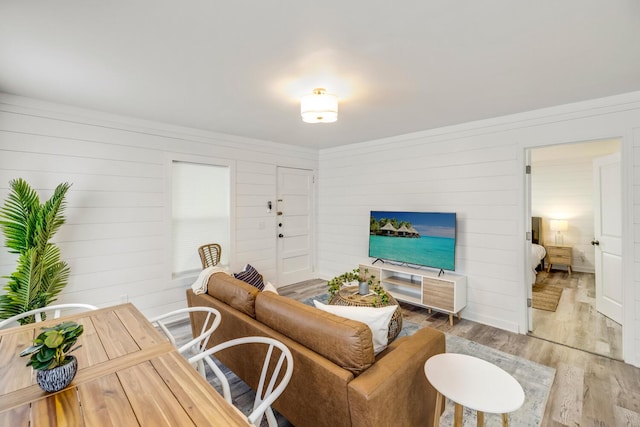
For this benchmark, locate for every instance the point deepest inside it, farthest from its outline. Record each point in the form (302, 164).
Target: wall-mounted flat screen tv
(419, 238)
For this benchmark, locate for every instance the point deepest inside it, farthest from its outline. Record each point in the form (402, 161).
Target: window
(200, 212)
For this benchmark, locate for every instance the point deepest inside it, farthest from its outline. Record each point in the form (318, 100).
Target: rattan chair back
(209, 254)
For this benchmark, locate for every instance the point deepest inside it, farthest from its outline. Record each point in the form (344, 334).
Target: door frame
(626, 152)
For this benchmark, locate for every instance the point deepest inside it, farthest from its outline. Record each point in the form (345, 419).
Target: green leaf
(28, 227)
(54, 339)
(29, 350)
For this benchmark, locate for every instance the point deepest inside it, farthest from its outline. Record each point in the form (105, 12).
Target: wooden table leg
(457, 416)
(451, 319)
(505, 420)
(480, 419)
(436, 416)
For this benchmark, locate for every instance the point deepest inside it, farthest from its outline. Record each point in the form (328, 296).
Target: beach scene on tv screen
(421, 238)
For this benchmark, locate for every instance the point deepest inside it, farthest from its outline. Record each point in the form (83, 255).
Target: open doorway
(564, 285)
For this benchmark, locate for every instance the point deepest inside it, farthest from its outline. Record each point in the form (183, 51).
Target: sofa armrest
(395, 391)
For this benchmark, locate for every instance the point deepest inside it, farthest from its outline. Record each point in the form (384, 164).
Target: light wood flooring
(588, 390)
(576, 322)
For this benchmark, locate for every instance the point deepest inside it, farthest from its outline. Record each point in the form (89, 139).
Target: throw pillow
(376, 318)
(268, 287)
(251, 276)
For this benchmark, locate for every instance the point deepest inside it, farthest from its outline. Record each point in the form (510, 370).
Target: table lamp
(558, 225)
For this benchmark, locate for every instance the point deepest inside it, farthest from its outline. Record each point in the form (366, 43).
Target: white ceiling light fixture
(319, 107)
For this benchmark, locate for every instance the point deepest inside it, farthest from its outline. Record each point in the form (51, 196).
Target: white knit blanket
(200, 285)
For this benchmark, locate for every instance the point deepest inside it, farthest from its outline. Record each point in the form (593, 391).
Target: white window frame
(170, 158)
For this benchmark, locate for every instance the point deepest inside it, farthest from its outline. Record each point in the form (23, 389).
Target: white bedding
(537, 254)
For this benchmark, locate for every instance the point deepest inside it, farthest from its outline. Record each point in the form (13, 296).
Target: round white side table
(474, 383)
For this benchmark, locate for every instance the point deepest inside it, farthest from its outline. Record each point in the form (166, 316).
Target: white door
(608, 236)
(295, 225)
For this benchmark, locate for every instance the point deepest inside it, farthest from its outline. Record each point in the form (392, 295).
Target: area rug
(546, 297)
(535, 379)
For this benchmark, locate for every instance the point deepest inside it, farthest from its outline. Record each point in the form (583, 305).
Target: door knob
(280, 235)
(595, 243)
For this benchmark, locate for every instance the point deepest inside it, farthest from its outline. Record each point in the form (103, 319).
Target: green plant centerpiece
(28, 227)
(361, 276)
(50, 355)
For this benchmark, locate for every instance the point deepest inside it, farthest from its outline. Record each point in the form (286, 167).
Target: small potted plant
(50, 355)
(365, 282)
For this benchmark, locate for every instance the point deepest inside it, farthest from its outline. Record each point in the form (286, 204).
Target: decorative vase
(55, 379)
(363, 288)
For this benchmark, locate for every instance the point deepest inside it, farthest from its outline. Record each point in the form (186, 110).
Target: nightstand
(558, 254)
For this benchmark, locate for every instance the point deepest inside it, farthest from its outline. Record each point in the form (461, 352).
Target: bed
(538, 251)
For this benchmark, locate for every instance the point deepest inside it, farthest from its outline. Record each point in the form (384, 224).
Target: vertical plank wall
(476, 170)
(116, 236)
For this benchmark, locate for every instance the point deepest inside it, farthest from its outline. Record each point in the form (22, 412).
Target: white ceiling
(240, 66)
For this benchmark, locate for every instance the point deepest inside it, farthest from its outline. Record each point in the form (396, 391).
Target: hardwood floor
(588, 389)
(576, 322)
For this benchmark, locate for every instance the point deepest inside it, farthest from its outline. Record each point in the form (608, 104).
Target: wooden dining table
(128, 375)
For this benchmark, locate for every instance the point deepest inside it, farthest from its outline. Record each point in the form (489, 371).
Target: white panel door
(295, 225)
(608, 236)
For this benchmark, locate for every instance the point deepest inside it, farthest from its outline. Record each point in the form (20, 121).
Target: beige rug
(546, 297)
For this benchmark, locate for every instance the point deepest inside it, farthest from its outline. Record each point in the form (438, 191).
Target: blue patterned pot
(57, 378)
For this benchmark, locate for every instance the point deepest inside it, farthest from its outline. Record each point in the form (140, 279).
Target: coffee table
(474, 383)
(349, 296)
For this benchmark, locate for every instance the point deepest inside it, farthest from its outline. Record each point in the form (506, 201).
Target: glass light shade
(319, 107)
(558, 225)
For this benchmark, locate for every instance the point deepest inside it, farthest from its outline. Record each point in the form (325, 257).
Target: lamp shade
(319, 107)
(558, 225)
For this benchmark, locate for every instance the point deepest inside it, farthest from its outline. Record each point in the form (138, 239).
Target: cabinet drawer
(560, 259)
(437, 293)
(554, 251)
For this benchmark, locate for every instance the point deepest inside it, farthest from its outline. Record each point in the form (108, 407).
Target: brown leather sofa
(337, 381)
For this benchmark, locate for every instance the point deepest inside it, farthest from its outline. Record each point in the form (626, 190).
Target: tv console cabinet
(446, 293)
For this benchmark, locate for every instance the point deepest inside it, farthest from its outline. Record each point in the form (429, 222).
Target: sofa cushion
(251, 276)
(268, 287)
(376, 318)
(234, 292)
(345, 342)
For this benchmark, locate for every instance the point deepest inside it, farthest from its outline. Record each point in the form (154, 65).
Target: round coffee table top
(349, 296)
(474, 383)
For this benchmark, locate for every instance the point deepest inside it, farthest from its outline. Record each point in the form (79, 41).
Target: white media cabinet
(447, 293)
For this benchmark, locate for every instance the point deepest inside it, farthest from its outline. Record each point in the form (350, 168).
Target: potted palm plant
(28, 227)
(50, 355)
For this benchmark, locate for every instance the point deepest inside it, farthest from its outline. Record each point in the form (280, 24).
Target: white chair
(264, 396)
(43, 313)
(199, 343)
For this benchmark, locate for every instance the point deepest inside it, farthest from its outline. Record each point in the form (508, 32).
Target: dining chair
(210, 254)
(199, 342)
(267, 391)
(43, 313)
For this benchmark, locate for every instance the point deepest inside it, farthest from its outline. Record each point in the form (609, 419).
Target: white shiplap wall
(116, 238)
(476, 170)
